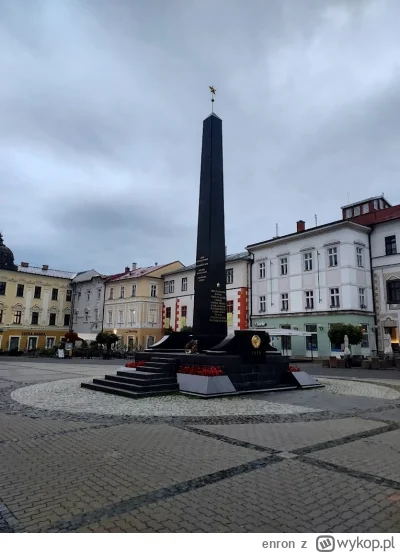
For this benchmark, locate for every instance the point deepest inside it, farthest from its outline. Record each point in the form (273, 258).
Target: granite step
(140, 381)
(121, 392)
(168, 387)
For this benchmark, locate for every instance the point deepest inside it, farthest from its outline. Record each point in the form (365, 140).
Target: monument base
(244, 366)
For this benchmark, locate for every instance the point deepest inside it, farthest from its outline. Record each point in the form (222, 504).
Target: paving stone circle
(67, 396)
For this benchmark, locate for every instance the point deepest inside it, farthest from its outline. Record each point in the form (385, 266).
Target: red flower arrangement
(294, 369)
(201, 370)
(134, 364)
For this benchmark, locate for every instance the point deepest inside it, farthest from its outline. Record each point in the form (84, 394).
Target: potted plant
(204, 380)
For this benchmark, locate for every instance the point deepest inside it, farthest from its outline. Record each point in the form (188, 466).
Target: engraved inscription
(201, 269)
(218, 306)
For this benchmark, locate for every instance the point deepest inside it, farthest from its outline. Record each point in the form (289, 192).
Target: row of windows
(334, 297)
(229, 309)
(169, 285)
(152, 319)
(37, 294)
(17, 318)
(153, 291)
(89, 294)
(308, 261)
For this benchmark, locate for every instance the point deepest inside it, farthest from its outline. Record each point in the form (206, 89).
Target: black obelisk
(209, 318)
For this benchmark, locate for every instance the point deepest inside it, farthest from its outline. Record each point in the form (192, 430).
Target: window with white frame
(110, 317)
(332, 257)
(50, 341)
(284, 265)
(261, 269)
(375, 204)
(122, 292)
(262, 304)
(184, 284)
(349, 213)
(152, 316)
(86, 316)
(307, 261)
(96, 314)
(111, 294)
(284, 302)
(169, 286)
(121, 317)
(88, 292)
(356, 210)
(133, 293)
(229, 276)
(99, 293)
(334, 296)
(309, 295)
(360, 256)
(362, 298)
(365, 208)
(133, 316)
(153, 291)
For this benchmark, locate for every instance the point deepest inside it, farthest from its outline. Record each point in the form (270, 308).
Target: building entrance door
(32, 343)
(14, 343)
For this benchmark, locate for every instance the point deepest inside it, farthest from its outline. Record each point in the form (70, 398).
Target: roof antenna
(277, 232)
(316, 220)
(348, 198)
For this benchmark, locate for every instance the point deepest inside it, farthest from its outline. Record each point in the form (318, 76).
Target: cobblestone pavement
(335, 468)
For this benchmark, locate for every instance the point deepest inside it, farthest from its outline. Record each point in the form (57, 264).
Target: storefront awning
(282, 331)
(87, 337)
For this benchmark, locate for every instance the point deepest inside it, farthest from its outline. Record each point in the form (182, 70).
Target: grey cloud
(102, 107)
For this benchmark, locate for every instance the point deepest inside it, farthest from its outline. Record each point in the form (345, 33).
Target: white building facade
(385, 250)
(88, 290)
(179, 295)
(308, 280)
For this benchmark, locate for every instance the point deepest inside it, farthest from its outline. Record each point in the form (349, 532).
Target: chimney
(45, 268)
(301, 226)
(134, 265)
(24, 264)
(126, 270)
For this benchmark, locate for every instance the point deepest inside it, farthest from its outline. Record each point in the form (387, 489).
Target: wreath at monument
(192, 346)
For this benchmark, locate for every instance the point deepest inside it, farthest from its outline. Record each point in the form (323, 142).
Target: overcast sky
(101, 109)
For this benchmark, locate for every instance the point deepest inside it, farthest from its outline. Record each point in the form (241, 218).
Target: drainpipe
(71, 318)
(104, 305)
(250, 288)
(319, 287)
(373, 290)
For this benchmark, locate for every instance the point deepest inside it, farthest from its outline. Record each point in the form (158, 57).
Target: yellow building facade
(133, 305)
(35, 307)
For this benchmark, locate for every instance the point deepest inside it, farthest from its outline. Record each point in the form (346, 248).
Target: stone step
(141, 381)
(160, 364)
(168, 387)
(145, 374)
(121, 392)
(150, 368)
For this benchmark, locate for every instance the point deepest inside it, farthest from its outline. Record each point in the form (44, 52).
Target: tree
(71, 337)
(168, 330)
(338, 331)
(107, 339)
(186, 329)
